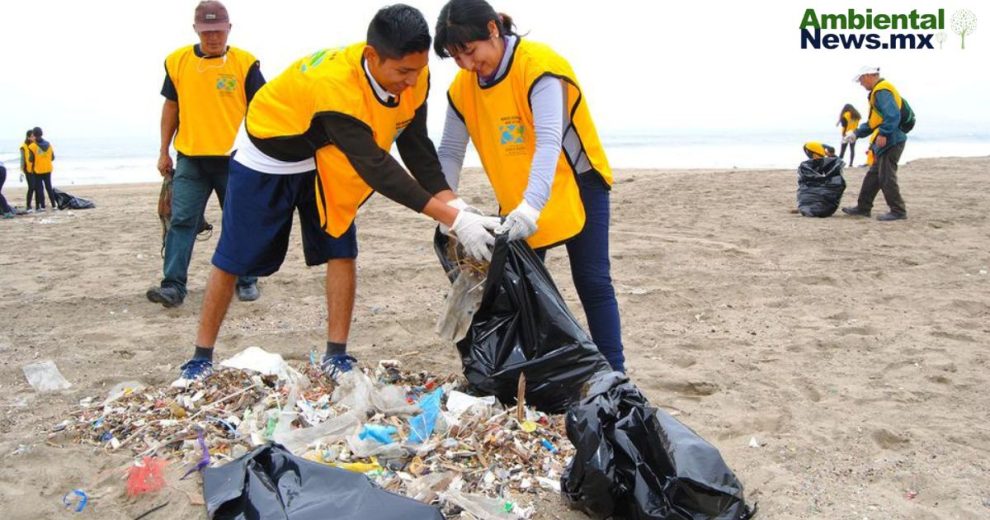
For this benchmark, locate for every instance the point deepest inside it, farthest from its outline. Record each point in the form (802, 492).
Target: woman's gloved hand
(520, 224)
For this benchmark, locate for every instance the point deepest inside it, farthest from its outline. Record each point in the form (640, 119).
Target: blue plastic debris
(421, 425)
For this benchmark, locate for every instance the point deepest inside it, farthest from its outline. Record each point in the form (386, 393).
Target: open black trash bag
(271, 483)
(636, 461)
(524, 325)
(820, 186)
(66, 201)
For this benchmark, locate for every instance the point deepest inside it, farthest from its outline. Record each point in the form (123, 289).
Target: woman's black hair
(464, 21)
(397, 31)
(852, 110)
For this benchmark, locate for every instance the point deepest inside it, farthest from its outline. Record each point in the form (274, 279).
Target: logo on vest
(226, 83)
(511, 134)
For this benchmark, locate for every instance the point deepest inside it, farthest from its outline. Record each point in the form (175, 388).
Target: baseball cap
(211, 16)
(866, 69)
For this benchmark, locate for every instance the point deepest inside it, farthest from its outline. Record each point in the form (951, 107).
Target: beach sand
(852, 352)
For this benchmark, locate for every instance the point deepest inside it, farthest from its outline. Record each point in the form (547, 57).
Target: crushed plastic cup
(75, 500)
(45, 377)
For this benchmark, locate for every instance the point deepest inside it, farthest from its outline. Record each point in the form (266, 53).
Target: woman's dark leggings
(852, 152)
(29, 179)
(42, 184)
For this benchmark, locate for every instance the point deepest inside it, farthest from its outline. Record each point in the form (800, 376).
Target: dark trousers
(192, 183)
(43, 184)
(882, 176)
(591, 270)
(852, 152)
(29, 179)
(4, 207)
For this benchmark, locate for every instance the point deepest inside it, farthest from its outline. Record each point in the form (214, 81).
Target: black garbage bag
(272, 483)
(524, 326)
(820, 186)
(66, 201)
(635, 461)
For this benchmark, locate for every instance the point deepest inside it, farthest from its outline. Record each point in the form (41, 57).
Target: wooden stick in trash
(521, 398)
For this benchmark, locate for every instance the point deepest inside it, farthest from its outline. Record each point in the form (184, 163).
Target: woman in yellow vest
(520, 103)
(41, 154)
(28, 172)
(848, 121)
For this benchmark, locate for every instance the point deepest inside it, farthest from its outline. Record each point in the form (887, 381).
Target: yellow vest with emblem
(25, 162)
(499, 121)
(42, 159)
(876, 119)
(333, 81)
(212, 99)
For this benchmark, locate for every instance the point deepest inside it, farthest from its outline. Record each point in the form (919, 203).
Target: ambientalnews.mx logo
(868, 30)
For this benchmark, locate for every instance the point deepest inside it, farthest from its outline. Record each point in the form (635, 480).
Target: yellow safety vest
(876, 119)
(212, 99)
(332, 81)
(42, 159)
(499, 121)
(25, 162)
(851, 122)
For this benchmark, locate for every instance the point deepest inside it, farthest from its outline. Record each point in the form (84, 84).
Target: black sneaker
(249, 292)
(855, 211)
(167, 296)
(886, 217)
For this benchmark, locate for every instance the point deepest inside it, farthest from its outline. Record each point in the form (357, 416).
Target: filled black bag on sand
(636, 461)
(66, 201)
(524, 326)
(820, 186)
(270, 482)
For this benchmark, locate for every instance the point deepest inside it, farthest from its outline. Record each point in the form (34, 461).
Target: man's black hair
(397, 31)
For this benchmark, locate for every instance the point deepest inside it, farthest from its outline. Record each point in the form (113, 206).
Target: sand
(851, 352)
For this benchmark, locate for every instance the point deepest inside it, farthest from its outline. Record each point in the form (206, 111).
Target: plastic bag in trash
(66, 201)
(820, 186)
(523, 325)
(269, 482)
(635, 461)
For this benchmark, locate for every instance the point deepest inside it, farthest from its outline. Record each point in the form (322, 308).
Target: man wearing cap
(207, 89)
(887, 146)
(316, 140)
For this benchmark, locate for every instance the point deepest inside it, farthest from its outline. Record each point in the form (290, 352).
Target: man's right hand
(164, 164)
(474, 233)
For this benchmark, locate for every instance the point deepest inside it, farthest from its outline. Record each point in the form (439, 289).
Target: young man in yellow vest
(41, 155)
(207, 89)
(316, 139)
(887, 147)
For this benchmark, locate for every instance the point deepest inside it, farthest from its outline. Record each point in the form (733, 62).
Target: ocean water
(84, 161)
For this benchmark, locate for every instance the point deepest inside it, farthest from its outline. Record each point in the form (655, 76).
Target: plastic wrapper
(820, 186)
(636, 461)
(269, 482)
(524, 326)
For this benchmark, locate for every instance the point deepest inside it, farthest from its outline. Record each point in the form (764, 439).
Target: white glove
(459, 205)
(473, 232)
(520, 224)
(849, 138)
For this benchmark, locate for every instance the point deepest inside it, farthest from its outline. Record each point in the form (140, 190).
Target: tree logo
(963, 23)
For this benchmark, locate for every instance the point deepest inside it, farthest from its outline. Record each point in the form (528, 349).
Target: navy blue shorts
(257, 221)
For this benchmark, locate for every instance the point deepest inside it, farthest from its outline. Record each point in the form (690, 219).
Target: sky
(95, 68)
